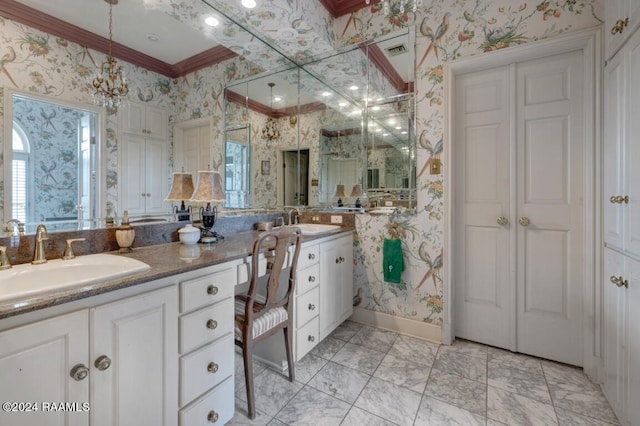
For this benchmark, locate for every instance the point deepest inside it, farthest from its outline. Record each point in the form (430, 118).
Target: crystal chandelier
(270, 133)
(110, 85)
(403, 5)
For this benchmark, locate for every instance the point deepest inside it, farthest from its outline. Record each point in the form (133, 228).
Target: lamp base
(210, 237)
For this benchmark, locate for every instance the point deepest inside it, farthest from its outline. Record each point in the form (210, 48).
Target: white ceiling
(133, 20)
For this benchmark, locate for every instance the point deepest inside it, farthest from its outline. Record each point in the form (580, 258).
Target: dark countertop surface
(165, 260)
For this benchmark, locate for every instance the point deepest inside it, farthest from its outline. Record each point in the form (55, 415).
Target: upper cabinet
(143, 160)
(621, 19)
(621, 150)
(145, 120)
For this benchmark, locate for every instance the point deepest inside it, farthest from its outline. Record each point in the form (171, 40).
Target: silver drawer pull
(212, 417)
(312, 307)
(102, 362)
(212, 290)
(311, 338)
(212, 367)
(312, 278)
(212, 324)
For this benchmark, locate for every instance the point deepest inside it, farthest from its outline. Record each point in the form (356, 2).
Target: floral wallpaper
(37, 62)
(446, 29)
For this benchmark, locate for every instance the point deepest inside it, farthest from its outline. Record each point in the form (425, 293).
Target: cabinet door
(329, 287)
(155, 178)
(139, 336)
(632, 275)
(346, 278)
(132, 175)
(156, 122)
(614, 331)
(614, 164)
(632, 157)
(616, 11)
(35, 365)
(133, 116)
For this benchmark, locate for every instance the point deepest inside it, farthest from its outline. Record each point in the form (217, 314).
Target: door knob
(212, 417)
(212, 367)
(502, 220)
(212, 324)
(102, 362)
(524, 221)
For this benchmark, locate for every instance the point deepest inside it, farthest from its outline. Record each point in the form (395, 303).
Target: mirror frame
(100, 172)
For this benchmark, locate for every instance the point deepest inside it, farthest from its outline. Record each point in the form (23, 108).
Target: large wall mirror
(344, 120)
(52, 170)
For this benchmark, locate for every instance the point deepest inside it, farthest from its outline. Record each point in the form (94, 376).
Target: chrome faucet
(41, 236)
(297, 216)
(14, 227)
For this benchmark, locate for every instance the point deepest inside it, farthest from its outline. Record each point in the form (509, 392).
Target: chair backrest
(274, 245)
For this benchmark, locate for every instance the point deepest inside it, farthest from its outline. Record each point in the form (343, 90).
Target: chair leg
(248, 379)
(288, 339)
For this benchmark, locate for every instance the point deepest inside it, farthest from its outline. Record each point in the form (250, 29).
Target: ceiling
(144, 31)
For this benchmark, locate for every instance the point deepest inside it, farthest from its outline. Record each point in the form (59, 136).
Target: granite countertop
(165, 261)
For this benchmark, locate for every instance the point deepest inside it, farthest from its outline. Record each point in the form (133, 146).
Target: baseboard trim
(421, 330)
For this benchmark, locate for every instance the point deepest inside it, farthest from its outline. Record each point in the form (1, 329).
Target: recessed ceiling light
(152, 37)
(398, 127)
(378, 130)
(342, 104)
(249, 4)
(353, 87)
(277, 99)
(403, 132)
(375, 108)
(391, 121)
(385, 134)
(212, 21)
(325, 94)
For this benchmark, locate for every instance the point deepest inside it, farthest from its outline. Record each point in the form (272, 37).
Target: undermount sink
(27, 280)
(316, 228)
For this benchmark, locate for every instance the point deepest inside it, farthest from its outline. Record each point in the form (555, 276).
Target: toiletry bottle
(125, 234)
(108, 221)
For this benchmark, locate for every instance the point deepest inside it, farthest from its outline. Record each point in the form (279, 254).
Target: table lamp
(181, 189)
(340, 194)
(356, 192)
(208, 190)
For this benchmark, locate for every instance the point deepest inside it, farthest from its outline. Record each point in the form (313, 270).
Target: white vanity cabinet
(118, 357)
(206, 345)
(323, 298)
(35, 365)
(336, 291)
(143, 159)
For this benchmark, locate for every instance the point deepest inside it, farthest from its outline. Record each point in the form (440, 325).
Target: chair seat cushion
(262, 324)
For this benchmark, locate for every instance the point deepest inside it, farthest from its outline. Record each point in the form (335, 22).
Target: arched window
(20, 170)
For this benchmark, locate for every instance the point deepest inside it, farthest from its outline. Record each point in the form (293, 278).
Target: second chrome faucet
(41, 236)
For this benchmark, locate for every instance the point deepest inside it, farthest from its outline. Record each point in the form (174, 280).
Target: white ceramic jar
(189, 235)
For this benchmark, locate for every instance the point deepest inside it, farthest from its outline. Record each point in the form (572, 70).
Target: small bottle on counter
(108, 221)
(125, 234)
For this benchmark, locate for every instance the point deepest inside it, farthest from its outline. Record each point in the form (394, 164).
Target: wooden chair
(258, 316)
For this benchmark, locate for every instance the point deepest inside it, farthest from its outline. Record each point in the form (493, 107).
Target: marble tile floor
(362, 375)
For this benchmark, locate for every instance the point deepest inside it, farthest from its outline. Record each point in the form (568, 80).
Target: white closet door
(483, 278)
(550, 196)
(519, 161)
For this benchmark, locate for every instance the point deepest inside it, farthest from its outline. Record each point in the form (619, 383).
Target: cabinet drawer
(216, 405)
(307, 278)
(205, 325)
(307, 338)
(205, 290)
(309, 255)
(307, 306)
(244, 269)
(205, 368)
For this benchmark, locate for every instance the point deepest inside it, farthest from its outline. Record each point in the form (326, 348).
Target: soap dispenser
(125, 234)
